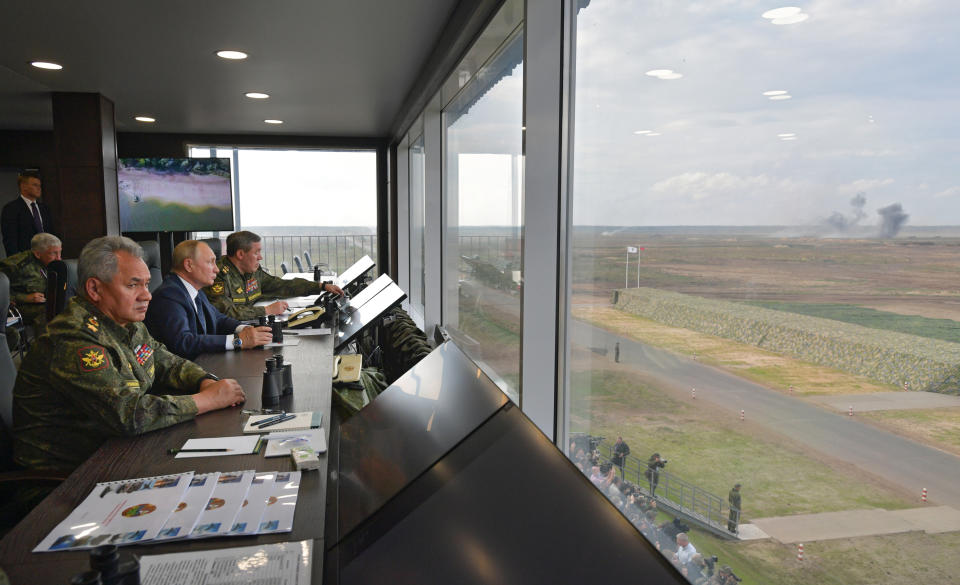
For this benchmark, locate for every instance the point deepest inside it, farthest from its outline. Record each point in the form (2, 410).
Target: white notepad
(303, 421)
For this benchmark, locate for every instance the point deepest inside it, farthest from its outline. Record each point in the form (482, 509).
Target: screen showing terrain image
(175, 194)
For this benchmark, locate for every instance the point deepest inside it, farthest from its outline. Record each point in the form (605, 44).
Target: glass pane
(315, 206)
(417, 162)
(763, 258)
(483, 177)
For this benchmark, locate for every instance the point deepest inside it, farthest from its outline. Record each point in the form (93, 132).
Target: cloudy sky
(873, 108)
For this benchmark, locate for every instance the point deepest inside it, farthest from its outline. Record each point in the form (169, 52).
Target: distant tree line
(187, 166)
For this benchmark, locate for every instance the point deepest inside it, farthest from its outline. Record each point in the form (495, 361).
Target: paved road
(901, 461)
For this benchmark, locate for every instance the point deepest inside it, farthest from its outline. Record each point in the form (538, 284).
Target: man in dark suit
(182, 318)
(25, 216)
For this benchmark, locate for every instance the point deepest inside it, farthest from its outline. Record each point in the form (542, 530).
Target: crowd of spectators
(669, 537)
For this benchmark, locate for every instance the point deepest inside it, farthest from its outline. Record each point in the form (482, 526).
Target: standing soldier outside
(620, 452)
(654, 465)
(734, 499)
(242, 282)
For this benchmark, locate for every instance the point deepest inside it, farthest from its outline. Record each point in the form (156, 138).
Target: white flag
(631, 250)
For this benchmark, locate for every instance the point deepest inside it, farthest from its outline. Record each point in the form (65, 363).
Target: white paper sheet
(307, 332)
(287, 341)
(241, 445)
(284, 563)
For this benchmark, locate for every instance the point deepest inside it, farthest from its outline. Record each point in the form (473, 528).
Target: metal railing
(690, 500)
(336, 252)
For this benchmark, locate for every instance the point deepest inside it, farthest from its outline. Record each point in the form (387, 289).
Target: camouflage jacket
(234, 293)
(27, 275)
(89, 379)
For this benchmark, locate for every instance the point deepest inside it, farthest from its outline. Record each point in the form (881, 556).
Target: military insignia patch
(93, 324)
(217, 288)
(225, 269)
(93, 358)
(252, 285)
(143, 353)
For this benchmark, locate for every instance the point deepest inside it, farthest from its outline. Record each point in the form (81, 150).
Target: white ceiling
(331, 68)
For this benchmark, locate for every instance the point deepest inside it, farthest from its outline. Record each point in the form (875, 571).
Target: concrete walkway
(853, 523)
(887, 401)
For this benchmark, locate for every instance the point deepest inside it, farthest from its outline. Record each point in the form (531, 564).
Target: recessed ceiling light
(785, 138)
(782, 12)
(257, 95)
(642, 131)
(664, 74)
(791, 19)
(144, 119)
(654, 134)
(780, 97)
(775, 92)
(232, 55)
(274, 121)
(786, 134)
(47, 65)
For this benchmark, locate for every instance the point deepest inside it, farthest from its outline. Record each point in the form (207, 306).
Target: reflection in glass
(484, 178)
(417, 162)
(764, 271)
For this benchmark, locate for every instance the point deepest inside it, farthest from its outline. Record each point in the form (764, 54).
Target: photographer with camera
(654, 465)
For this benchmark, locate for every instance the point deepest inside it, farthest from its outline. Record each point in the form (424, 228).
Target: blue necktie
(36, 217)
(201, 315)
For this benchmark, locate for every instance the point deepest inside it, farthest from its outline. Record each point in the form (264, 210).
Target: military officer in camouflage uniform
(28, 278)
(97, 373)
(242, 282)
(734, 498)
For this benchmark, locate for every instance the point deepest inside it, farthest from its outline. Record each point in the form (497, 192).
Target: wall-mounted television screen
(175, 194)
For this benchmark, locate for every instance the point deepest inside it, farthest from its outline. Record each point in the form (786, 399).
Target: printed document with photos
(284, 563)
(248, 519)
(119, 512)
(188, 511)
(281, 503)
(223, 506)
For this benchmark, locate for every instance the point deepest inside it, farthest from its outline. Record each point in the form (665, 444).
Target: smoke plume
(839, 222)
(892, 219)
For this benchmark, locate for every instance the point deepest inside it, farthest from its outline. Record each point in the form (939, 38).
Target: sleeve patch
(93, 358)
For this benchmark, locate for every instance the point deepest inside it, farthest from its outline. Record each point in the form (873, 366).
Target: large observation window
(483, 178)
(316, 204)
(763, 252)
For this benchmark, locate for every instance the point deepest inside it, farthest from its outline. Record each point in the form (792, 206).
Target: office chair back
(8, 373)
(215, 245)
(307, 259)
(56, 288)
(72, 286)
(296, 260)
(283, 267)
(151, 255)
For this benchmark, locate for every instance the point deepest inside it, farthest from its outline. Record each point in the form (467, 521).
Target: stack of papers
(179, 506)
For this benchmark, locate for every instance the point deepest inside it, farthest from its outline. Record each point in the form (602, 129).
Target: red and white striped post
(800, 552)
(850, 412)
(923, 496)
(693, 392)
(742, 413)
(791, 388)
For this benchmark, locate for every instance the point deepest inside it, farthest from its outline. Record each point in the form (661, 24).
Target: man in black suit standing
(25, 216)
(182, 318)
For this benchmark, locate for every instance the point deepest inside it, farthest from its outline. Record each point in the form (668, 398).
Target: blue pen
(278, 421)
(268, 420)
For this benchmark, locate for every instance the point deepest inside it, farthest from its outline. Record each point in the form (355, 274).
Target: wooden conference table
(146, 455)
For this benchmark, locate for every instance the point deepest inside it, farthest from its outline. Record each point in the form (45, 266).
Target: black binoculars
(277, 380)
(107, 569)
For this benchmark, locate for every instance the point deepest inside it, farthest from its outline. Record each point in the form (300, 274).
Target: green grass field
(943, 329)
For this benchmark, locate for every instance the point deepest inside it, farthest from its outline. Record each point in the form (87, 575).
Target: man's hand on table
(214, 395)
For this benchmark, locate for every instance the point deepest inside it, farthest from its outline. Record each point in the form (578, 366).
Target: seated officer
(96, 373)
(242, 282)
(28, 278)
(183, 319)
